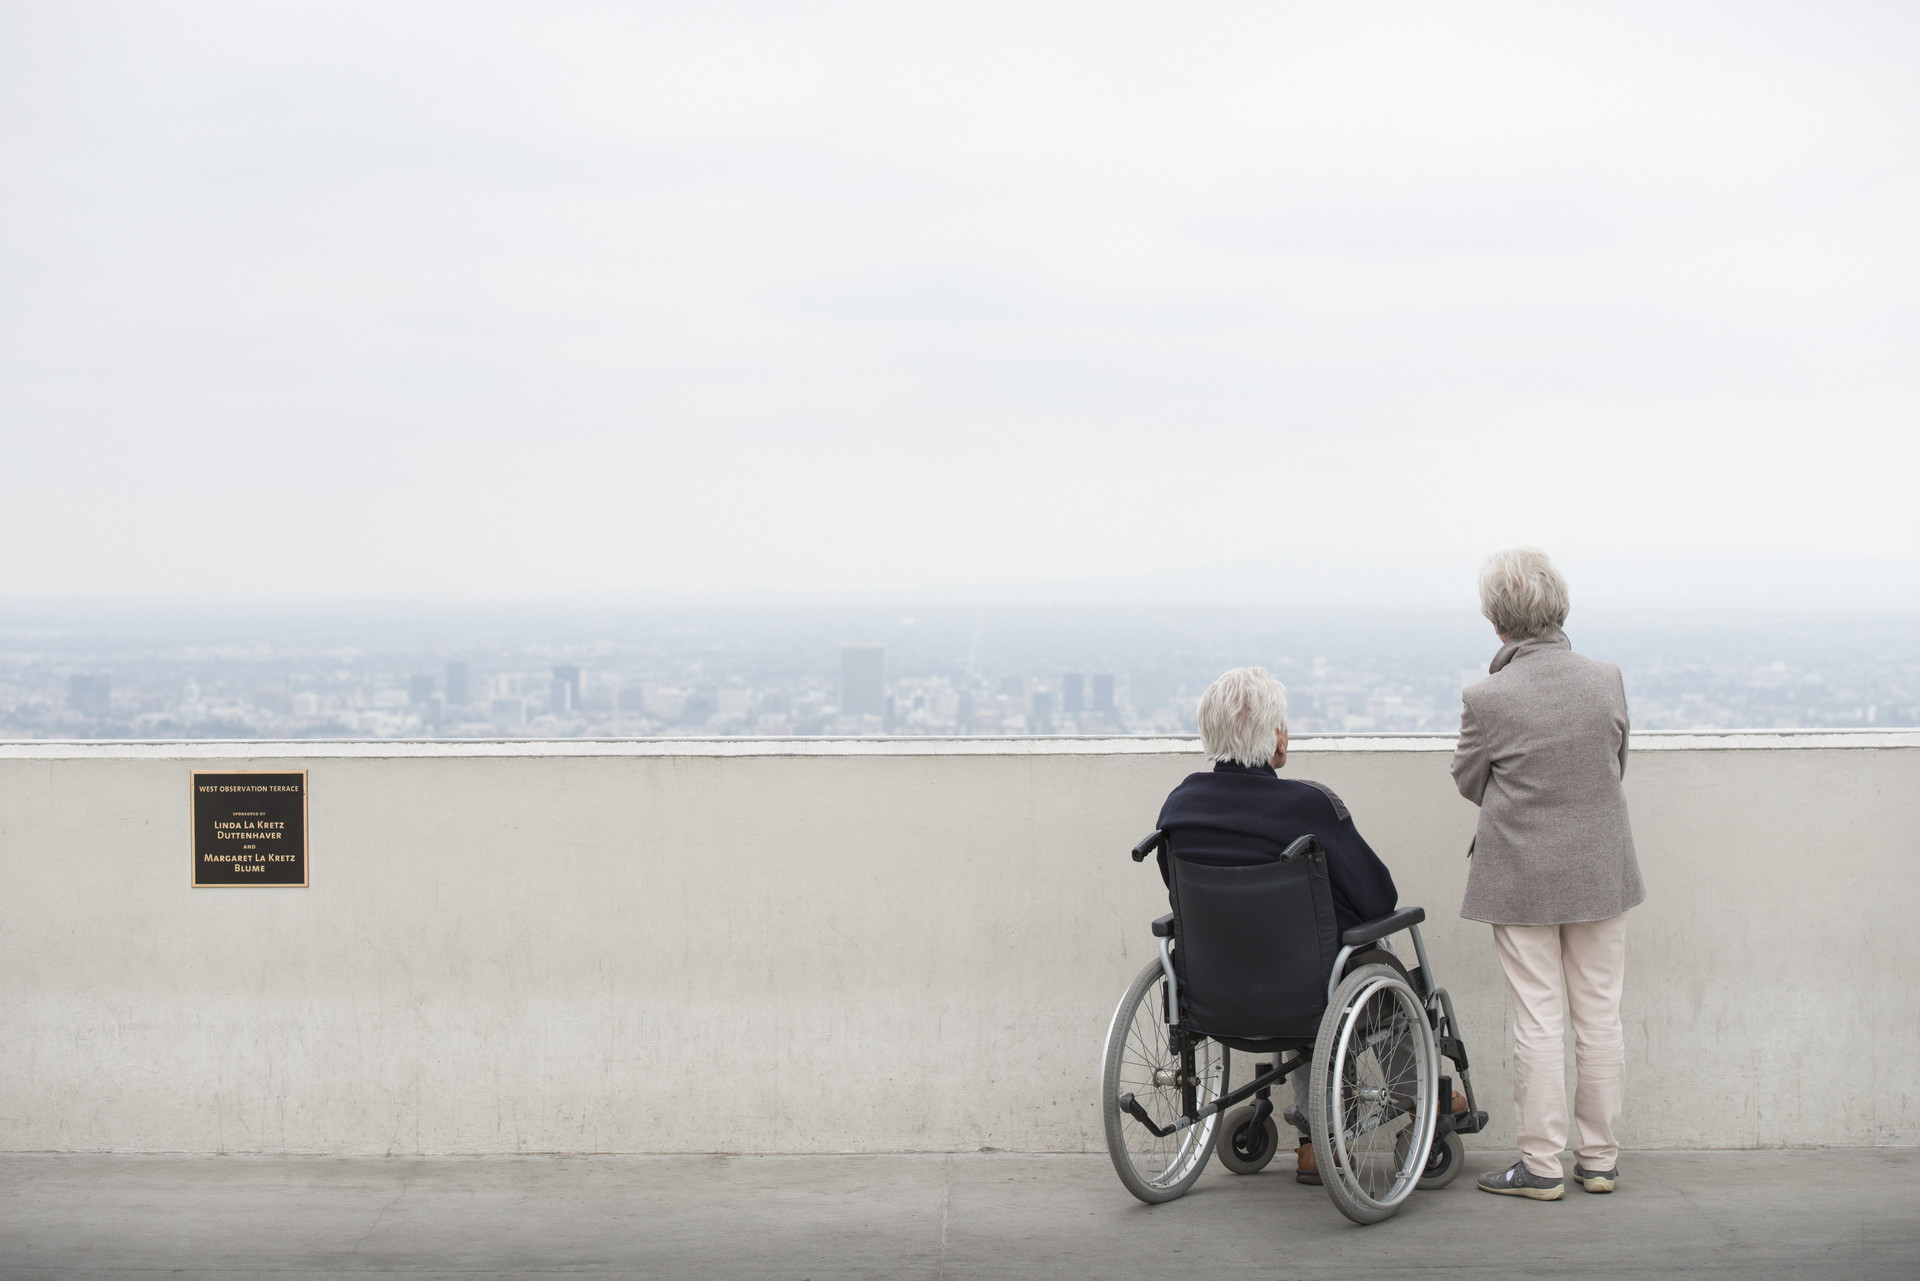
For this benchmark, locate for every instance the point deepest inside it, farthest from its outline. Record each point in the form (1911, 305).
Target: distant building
(1071, 691)
(863, 680)
(508, 712)
(667, 704)
(457, 693)
(1103, 692)
(963, 714)
(560, 700)
(567, 674)
(633, 699)
(89, 695)
(420, 689)
(1040, 715)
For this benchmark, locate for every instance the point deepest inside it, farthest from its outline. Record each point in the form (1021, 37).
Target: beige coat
(1543, 746)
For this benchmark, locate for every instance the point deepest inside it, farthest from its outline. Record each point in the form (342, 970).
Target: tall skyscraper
(1072, 692)
(1040, 713)
(566, 687)
(457, 692)
(863, 680)
(1103, 692)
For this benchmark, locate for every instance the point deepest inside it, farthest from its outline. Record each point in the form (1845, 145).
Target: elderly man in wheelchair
(1277, 947)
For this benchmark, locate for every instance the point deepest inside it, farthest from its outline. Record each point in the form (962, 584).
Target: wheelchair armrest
(1374, 931)
(1149, 845)
(1163, 928)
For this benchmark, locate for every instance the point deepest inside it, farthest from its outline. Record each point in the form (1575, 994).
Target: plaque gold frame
(193, 836)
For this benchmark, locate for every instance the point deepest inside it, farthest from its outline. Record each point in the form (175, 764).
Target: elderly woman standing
(1543, 747)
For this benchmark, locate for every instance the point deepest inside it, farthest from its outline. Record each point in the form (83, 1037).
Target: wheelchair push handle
(1307, 845)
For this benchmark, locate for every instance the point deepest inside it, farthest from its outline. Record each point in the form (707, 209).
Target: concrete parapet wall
(856, 946)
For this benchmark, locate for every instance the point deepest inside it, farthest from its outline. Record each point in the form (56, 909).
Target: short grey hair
(1521, 593)
(1239, 714)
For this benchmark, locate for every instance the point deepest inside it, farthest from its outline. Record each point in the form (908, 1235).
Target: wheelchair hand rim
(1405, 1180)
(1192, 1146)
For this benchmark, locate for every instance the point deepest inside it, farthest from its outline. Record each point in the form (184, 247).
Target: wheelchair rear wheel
(1374, 1079)
(1141, 1060)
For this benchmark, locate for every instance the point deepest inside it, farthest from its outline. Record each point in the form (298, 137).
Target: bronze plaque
(250, 828)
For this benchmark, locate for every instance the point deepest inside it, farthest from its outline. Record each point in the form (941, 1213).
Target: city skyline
(774, 673)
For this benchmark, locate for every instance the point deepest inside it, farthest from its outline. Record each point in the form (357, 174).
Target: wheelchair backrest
(1253, 943)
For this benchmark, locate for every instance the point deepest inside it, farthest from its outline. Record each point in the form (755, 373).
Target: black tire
(1246, 1148)
(1444, 1161)
(1379, 956)
(1155, 1169)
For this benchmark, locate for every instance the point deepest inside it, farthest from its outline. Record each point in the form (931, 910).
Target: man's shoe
(1596, 1180)
(1309, 1171)
(1520, 1181)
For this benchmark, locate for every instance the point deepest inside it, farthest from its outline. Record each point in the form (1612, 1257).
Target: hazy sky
(479, 301)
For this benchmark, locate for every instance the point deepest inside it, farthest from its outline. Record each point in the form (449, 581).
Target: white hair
(1521, 593)
(1239, 714)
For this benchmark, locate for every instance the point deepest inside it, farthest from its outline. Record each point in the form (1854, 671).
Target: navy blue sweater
(1243, 814)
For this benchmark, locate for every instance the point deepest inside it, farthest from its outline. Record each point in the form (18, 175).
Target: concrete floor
(1853, 1214)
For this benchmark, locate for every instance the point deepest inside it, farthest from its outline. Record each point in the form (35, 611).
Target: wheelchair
(1250, 962)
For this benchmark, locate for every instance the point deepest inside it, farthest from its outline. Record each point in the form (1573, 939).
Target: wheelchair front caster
(1245, 1148)
(1444, 1160)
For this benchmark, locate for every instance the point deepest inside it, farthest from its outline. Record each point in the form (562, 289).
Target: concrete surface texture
(1677, 1214)
(868, 946)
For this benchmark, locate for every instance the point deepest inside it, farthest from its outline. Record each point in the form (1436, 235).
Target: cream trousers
(1592, 956)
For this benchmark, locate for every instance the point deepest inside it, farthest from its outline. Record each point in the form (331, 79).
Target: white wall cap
(1040, 745)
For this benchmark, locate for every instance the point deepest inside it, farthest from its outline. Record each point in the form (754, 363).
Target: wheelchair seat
(1253, 945)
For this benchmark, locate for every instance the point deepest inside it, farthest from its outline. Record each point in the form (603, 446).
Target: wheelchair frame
(1432, 998)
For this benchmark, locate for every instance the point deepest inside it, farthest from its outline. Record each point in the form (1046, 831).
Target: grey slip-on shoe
(1595, 1180)
(1518, 1180)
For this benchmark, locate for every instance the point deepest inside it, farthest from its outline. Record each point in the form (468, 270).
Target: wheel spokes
(1146, 1052)
(1376, 1082)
